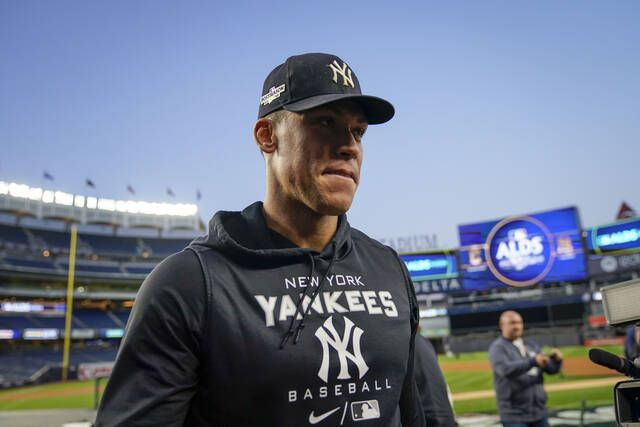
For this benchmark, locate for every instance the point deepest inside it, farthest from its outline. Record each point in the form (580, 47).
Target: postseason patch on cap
(273, 94)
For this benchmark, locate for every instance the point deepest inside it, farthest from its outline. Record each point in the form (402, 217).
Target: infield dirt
(571, 366)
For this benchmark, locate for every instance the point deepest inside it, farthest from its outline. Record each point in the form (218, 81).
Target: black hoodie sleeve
(431, 385)
(410, 405)
(156, 370)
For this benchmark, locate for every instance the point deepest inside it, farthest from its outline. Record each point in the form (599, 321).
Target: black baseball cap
(310, 80)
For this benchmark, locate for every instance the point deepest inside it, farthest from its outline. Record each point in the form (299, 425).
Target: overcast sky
(502, 107)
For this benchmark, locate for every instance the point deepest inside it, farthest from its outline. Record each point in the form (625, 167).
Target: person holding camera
(632, 342)
(518, 365)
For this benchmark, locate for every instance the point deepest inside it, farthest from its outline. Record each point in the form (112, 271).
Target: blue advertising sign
(620, 237)
(522, 250)
(431, 265)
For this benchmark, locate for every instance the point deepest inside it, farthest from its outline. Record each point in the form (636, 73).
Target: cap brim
(376, 110)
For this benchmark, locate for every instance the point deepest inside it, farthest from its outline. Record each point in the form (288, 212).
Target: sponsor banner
(8, 334)
(522, 250)
(89, 371)
(431, 265)
(83, 334)
(600, 265)
(40, 334)
(619, 237)
(437, 286)
(111, 333)
(29, 307)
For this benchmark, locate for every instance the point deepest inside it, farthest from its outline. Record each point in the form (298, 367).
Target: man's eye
(328, 122)
(358, 132)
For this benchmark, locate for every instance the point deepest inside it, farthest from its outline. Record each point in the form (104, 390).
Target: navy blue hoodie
(243, 328)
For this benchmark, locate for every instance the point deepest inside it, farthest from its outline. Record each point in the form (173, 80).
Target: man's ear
(264, 135)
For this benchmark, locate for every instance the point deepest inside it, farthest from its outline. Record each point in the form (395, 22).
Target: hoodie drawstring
(304, 313)
(289, 332)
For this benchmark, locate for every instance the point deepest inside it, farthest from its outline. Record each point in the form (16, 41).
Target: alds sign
(522, 250)
(520, 253)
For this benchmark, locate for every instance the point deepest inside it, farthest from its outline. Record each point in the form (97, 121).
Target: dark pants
(540, 423)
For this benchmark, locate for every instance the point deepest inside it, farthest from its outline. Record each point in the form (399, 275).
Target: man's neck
(299, 224)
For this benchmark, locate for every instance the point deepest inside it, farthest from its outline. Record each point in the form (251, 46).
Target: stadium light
(78, 201)
(107, 204)
(35, 194)
(620, 302)
(48, 196)
(18, 190)
(62, 198)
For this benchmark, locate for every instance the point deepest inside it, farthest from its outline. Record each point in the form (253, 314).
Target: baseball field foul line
(573, 385)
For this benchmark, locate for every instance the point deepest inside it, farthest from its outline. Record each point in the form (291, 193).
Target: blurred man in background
(518, 365)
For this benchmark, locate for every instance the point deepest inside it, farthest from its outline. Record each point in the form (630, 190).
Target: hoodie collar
(246, 233)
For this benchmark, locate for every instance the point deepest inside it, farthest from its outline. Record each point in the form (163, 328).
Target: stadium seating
(165, 247)
(103, 245)
(123, 316)
(20, 367)
(111, 245)
(81, 318)
(98, 255)
(93, 267)
(55, 241)
(97, 319)
(17, 322)
(34, 264)
(26, 263)
(12, 236)
(139, 269)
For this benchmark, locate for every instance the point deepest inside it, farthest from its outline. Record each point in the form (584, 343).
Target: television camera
(621, 304)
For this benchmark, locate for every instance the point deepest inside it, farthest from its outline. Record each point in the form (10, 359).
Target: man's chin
(334, 206)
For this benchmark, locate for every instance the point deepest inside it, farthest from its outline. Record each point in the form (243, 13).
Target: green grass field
(572, 351)
(80, 394)
(72, 394)
(601, 396)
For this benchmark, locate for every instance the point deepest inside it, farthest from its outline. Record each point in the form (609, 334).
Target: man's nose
(350, 147)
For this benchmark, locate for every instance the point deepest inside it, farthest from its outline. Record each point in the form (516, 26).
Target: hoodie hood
(245, 236)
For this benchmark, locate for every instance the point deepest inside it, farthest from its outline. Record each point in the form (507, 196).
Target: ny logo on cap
(344, 71)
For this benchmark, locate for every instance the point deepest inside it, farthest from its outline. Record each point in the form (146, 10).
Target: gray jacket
(518, 381)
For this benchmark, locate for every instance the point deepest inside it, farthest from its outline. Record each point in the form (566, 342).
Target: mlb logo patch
(365, 410)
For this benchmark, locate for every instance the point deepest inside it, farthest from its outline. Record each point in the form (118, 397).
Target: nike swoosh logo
(313, 419)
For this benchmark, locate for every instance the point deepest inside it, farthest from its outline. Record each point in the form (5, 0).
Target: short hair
(277, 116)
